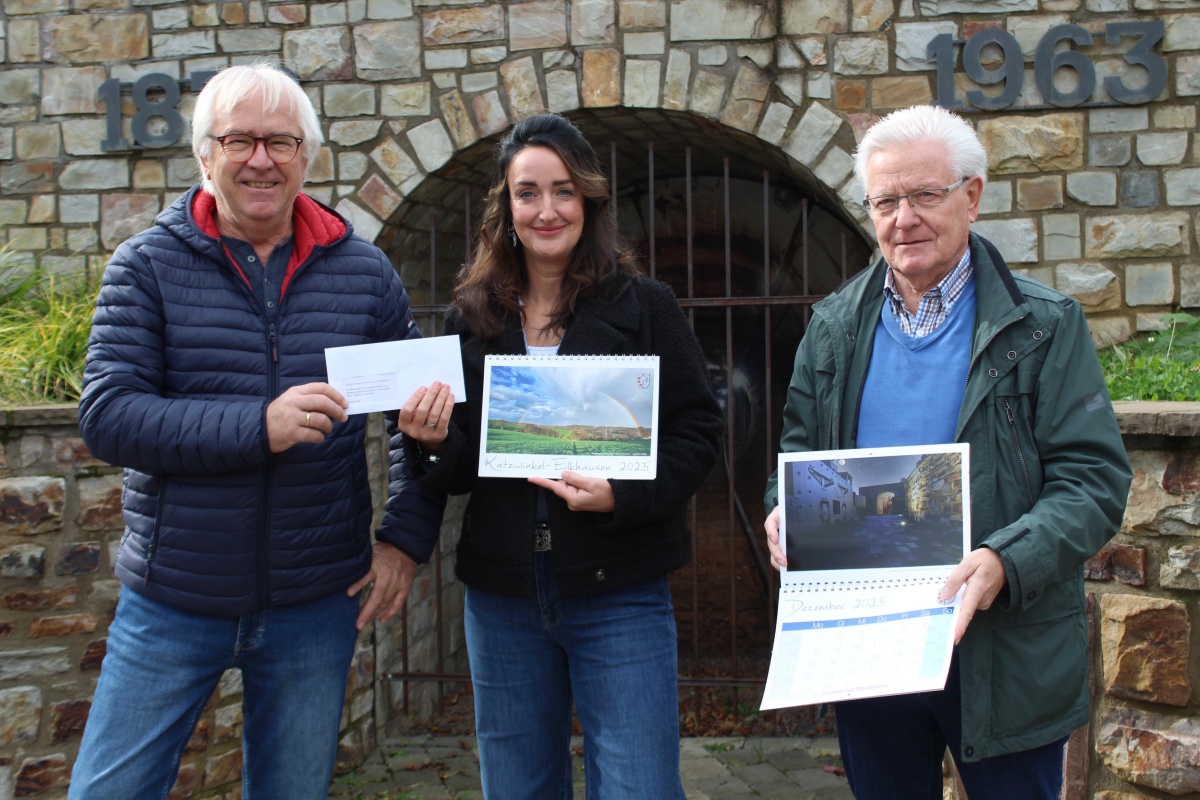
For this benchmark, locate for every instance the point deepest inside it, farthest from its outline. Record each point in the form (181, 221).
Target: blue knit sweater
(915, 386)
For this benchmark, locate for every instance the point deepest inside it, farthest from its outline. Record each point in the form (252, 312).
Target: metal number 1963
(1049, 58)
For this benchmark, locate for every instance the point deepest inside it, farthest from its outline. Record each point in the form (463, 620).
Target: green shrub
(1164, 365)
(44, 327)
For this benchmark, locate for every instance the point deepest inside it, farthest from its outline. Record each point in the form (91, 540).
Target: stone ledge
(1159, 418)
(32, 416)
(1133, 417)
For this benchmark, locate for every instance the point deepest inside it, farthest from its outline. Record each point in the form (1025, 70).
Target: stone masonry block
(1044, 143)
(20, 715)
(1189, 286)
(1118, 120)
(1183, 187)
(601, 85)
(1145, 642)
(23, 561)
(93, 655)
(323, 54)
(718, 20)
(1181, 568)
(100, 503)
(1060, 236)
(1041, 193)
(41, 599)
(1139, 189)
(42, 774)
(91, 38)
(593, 22)
(228, 723)
(349, 100)
(812, 133)
(1124, 562)
(29, 506)
(537, 25)
(222, 769)
(1158, 490)
(1157, 149)
(1093, 188)
(63, 625)
(1152, 235)
(1159, 751)
(78, 558)
(187, 779)
(33, 664)
(1017, 239)
(861, 55)
(815, 17)
(463, 25)
(1150, 284)
(67, 719)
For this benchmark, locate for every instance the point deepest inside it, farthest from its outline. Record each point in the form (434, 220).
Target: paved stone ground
(446, 768)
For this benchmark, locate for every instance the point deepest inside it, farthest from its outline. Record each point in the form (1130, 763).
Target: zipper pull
(1012, 419)
(274, 349)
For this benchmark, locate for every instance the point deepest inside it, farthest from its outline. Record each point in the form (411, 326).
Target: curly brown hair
(488, 287)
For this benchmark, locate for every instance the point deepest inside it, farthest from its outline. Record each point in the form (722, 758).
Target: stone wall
(1093, 196)
(60, 526)
(1144, 591)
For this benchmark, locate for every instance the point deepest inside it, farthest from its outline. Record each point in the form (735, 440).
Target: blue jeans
(613, 654)
(161, 668)
(892, 749)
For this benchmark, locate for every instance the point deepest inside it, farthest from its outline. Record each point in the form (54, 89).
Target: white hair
(964, 151)
(266, 83)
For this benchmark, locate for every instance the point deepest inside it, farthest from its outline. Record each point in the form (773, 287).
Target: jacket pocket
(1039, 671)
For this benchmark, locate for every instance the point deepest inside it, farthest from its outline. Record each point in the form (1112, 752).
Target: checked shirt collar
(935, 304)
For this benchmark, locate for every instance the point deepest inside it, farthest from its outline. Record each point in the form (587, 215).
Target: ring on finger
(308, 419)
(429, 424)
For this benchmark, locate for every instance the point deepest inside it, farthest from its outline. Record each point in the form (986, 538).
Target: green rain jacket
(1049, 482)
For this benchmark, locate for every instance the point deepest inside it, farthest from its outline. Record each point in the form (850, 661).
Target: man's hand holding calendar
(982, 572)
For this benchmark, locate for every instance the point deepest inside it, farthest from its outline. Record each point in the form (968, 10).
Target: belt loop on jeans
(541, 537)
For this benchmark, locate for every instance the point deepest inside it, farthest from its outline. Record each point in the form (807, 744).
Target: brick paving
(446, 768)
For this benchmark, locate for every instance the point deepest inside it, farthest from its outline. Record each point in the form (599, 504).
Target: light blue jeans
(161, 668)
(613, 654)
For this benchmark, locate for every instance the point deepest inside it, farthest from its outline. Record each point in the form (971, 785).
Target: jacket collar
(999, 299)
(313, 225)
(599, 326)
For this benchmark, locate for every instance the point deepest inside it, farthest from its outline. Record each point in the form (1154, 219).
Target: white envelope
(380, 377)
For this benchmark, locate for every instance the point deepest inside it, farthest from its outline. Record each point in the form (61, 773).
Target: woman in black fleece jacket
(567, 598)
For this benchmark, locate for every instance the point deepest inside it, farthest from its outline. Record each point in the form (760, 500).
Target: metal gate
(748, 249)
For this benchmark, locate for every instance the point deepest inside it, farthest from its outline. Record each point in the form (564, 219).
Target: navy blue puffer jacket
(181, 366)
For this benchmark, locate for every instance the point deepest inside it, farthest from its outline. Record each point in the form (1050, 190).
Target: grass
(502, 441)
(1161, 366)
(44, 326)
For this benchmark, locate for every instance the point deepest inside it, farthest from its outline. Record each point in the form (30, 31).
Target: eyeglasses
(240, 147)
(886, 204)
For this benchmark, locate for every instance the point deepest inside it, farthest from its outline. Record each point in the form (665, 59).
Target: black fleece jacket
(646, 535)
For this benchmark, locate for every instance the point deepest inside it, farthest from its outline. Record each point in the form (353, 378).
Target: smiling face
(254, 198)
(922, 247)
(547, 208)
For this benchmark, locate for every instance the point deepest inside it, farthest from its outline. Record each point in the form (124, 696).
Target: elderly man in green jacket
(939, 342)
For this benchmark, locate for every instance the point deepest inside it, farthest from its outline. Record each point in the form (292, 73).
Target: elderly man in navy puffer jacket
(246, 501)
